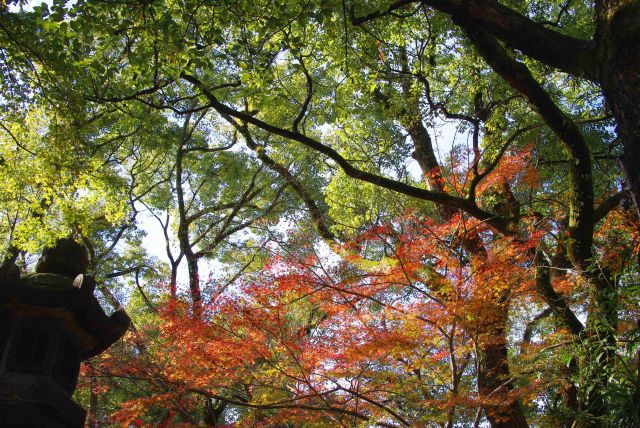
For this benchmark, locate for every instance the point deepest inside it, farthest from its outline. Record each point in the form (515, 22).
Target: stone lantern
(49, 323)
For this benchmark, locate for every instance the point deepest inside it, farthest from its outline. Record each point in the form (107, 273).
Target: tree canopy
(415, 213)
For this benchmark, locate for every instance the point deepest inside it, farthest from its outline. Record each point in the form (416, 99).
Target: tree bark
(619, 57)
(494, 378)
(173, 282)
(194, 284)
(92, 414)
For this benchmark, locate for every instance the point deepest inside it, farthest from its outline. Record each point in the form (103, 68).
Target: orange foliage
(343, 338)
(395, 315)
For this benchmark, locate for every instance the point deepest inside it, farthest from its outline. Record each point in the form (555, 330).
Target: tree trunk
(183, 227)
(173, 284)
(92, 414)
(194, 284)
(619, 56)
(598, 349)
(494, 378)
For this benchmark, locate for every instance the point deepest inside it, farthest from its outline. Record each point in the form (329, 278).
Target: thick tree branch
(298, 187)
(607, 205)
(209, 210)
(284, 404)
(308, 97)
(124, 272)
(569, 54)
(357, 20)
(556, 302)
(518, 76)
(397, 186)
(528, 331)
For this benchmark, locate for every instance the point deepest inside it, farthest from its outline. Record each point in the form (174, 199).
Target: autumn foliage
(329, 213)
(392, 327)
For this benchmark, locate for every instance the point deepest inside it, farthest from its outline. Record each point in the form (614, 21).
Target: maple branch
(15, 140)
(237, 275)
(142, 293)
(496, 160)
(528, 331)
(397, 186)
(376, 404)
(280, 404)
(409, 281)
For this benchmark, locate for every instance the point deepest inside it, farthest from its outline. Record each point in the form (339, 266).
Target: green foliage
(229, 124)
